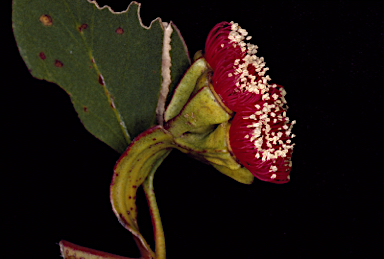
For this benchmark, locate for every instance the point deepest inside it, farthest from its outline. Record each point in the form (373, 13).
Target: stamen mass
(260, 132)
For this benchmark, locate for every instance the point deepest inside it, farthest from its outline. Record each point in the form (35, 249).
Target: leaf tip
(182, 40)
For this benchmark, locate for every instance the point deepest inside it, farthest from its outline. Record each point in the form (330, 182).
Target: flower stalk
(154, 210)
(140, 160)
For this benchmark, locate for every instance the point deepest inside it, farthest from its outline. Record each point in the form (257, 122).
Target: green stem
(141, 158)
(154, 210)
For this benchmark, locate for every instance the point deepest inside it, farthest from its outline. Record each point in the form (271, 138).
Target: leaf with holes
(118, 72)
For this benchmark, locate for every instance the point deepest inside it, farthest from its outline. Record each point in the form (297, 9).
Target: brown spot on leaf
(153, 139)
(134, 197)
(129, 197)
(85, 109)
(83, 27)
(128, 212)
(42, 55)
(46, 20)
(58, 63)
(101, 79)
(134, 186)
(119, 31)
(131, 208)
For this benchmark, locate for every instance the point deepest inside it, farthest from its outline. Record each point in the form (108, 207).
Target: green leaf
(109, 63)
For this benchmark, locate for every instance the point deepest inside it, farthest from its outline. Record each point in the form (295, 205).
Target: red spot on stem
(123, 219)
(101, 79)
(112, 102)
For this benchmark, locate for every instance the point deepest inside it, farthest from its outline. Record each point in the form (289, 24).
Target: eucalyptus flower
(260, 132)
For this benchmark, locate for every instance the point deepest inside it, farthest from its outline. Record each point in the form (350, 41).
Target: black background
(329, 58)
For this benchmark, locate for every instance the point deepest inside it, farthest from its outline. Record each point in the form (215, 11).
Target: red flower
(238, 74)
(260, 137)
(260, 133)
